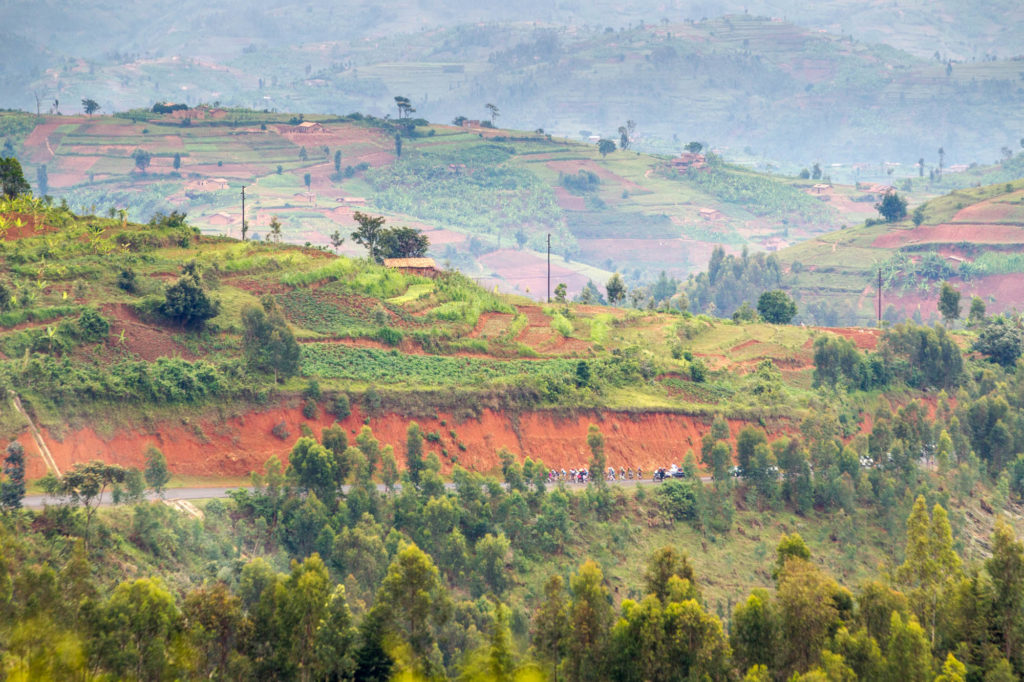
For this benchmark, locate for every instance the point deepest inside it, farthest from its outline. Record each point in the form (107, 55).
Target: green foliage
(12, 179)
(12, 487)
(730, 281)
(893, 207)
(268, 343)
(423, 185)
(156, 472)
(921, 356)
(776, 307)
(616, 289)
(949, 303)
(187, 303)
(1000, 340)
(761, 195)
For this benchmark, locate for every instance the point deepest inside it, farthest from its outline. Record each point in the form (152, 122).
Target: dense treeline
(731, 281)
(398, 574)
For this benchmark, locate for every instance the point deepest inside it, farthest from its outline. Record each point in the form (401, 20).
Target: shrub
(390, 336)
(92, 326)
(312, 390)
(126, 281)
(309, 409)
(281, 430)
(341, 408)
(698, 371)
(186, 302)
(678, 499)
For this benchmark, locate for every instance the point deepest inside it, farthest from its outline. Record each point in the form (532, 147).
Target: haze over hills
(795, 89)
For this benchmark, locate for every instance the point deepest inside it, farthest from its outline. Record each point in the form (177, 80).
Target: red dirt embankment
(238, 445)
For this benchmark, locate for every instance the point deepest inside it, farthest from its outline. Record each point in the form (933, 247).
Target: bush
(698, 371)
(678, 499)
(281, 430)
(341, 408)
(312, 390)
(390, 336)
(186, 303)
(309, 409)
(92, 326)
(126, 281)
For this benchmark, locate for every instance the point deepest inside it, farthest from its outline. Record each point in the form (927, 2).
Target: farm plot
(371, 365)
(331, 310)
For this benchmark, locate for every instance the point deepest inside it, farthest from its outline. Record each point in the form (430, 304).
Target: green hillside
(971, 237)
(157, 345)
(487, 197)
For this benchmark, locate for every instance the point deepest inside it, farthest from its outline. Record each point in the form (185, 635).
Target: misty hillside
(776, 84)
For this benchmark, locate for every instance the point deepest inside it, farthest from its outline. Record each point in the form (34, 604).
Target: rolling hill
(486, 197)
(773, 90)
(972, 238)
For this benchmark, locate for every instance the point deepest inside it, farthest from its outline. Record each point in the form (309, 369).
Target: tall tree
(551, 623)
(590, 621)
(90, 106)
(931, 566)
(605, 147)
(776, 307)
(42, 181)
(12, 179)
(84, 485)
(337, 240)
(267, 342)
(616, 289)
(369, 234)
(949, 303)
(493, 111)
(415, 606)
(1006, 568)
(403, 242)
(142, 159)
(893, 207)
(414, 463)
(156, 473)
(335, 639)
(12, 488)
(663, 565)
(315, 468)
(598, 462)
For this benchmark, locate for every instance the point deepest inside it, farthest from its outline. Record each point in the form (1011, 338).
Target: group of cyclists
(582, 475)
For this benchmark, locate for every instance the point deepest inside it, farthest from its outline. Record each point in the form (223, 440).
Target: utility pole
(243, 213)
(879, 298)
(549, 267)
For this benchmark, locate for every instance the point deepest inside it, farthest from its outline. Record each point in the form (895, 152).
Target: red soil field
(569, 202)
(143, 340)
(985, 212)
(237, 445)
(525, 270)
(28, 228)
(999, 292)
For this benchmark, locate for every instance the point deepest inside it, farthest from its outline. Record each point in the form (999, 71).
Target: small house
(710, 214)
(688, 160)
(308, 127)
(422, 267)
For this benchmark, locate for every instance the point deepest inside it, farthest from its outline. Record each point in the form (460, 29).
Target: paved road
(38, 501)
